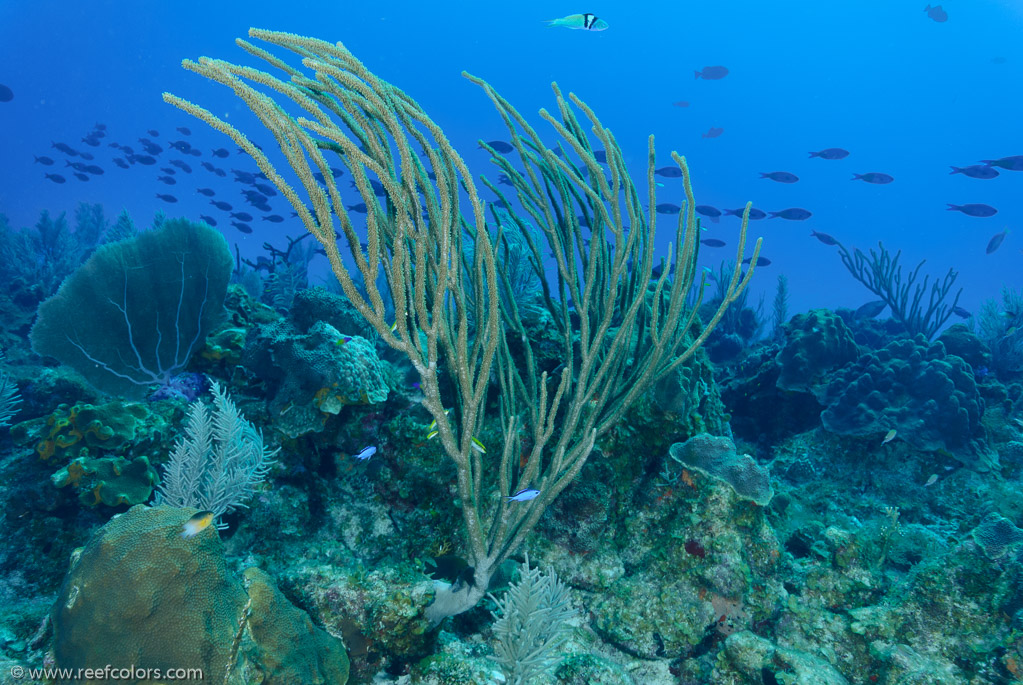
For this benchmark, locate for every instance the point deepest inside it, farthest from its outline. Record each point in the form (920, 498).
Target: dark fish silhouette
(150, 147)
(960, 312)
(253, 196)
(831, 153)
(761, 261)
(241, 216)
(181, 146)
(978, 210)
(378, 187)
(824, 238)
(93, 169)
(976, 171)
(713, 242)
(91, 141)
(668, 208)
(244, 228)
(267, 190)
(712, 213)
(45, 161)
(208, 219)
(1014, 163)
(6, 94)
(167, 198)
(169, 180)
(274, 218)
(56, 178)
(500, 146)
(207, 166)
(754, 213)
(143, 159)
(181, 165)
(669, 172)
(220, 152)
(261, 206)
(219, 172)
(873, 177)
(792, 214)
(870, 309)
(996, 241)
(712, 73)
(600, 156)
(153, 132)
(77, 166)
(503, 180)
(713, 132)
(120, 162)
(780, 176)
(360, 208)
(65, 148)
(246, 177)
(81, 177)
(680, 103)
(936, 13)
(208, 192)
(168, 170)
(183, 131)
(86, 156)
(221, 205)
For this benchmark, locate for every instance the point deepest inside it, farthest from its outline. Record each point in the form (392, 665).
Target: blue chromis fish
(524, 495)
(197, 524)
(587, 22)
(366, 453)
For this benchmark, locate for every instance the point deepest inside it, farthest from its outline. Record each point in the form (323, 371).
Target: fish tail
(955, 170)
(697, 74)
(815, 154)
(763, 175)
(856, 177)
(952, 207)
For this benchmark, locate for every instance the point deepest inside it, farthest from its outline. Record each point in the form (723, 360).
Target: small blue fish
(366, 453)
(587, 21)
(524, 495)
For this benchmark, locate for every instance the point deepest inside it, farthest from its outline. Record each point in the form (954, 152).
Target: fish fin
(815, 154)
(955, 170)
(697, 74)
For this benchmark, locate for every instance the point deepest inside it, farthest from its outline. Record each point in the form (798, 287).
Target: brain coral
(815, 343)
(929, 397)
(140, 595)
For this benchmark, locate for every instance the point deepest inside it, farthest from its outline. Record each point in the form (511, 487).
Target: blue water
(906, 95)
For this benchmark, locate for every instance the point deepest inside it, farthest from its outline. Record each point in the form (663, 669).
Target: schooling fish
(713, 132)
(754, 213)
(45, 161)
(712, 73)
(197, 524)
(780, 176)
(831, 153)
(873, 177)
(713, 242)
(712, 213)
(500, 146)
(669, 172)
(586, 22)
(871, 309)
(978, 210)
(976, 171)
(1014, 163)
(824, 238)
(792, 214)
(996, 241)
(936, 13)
